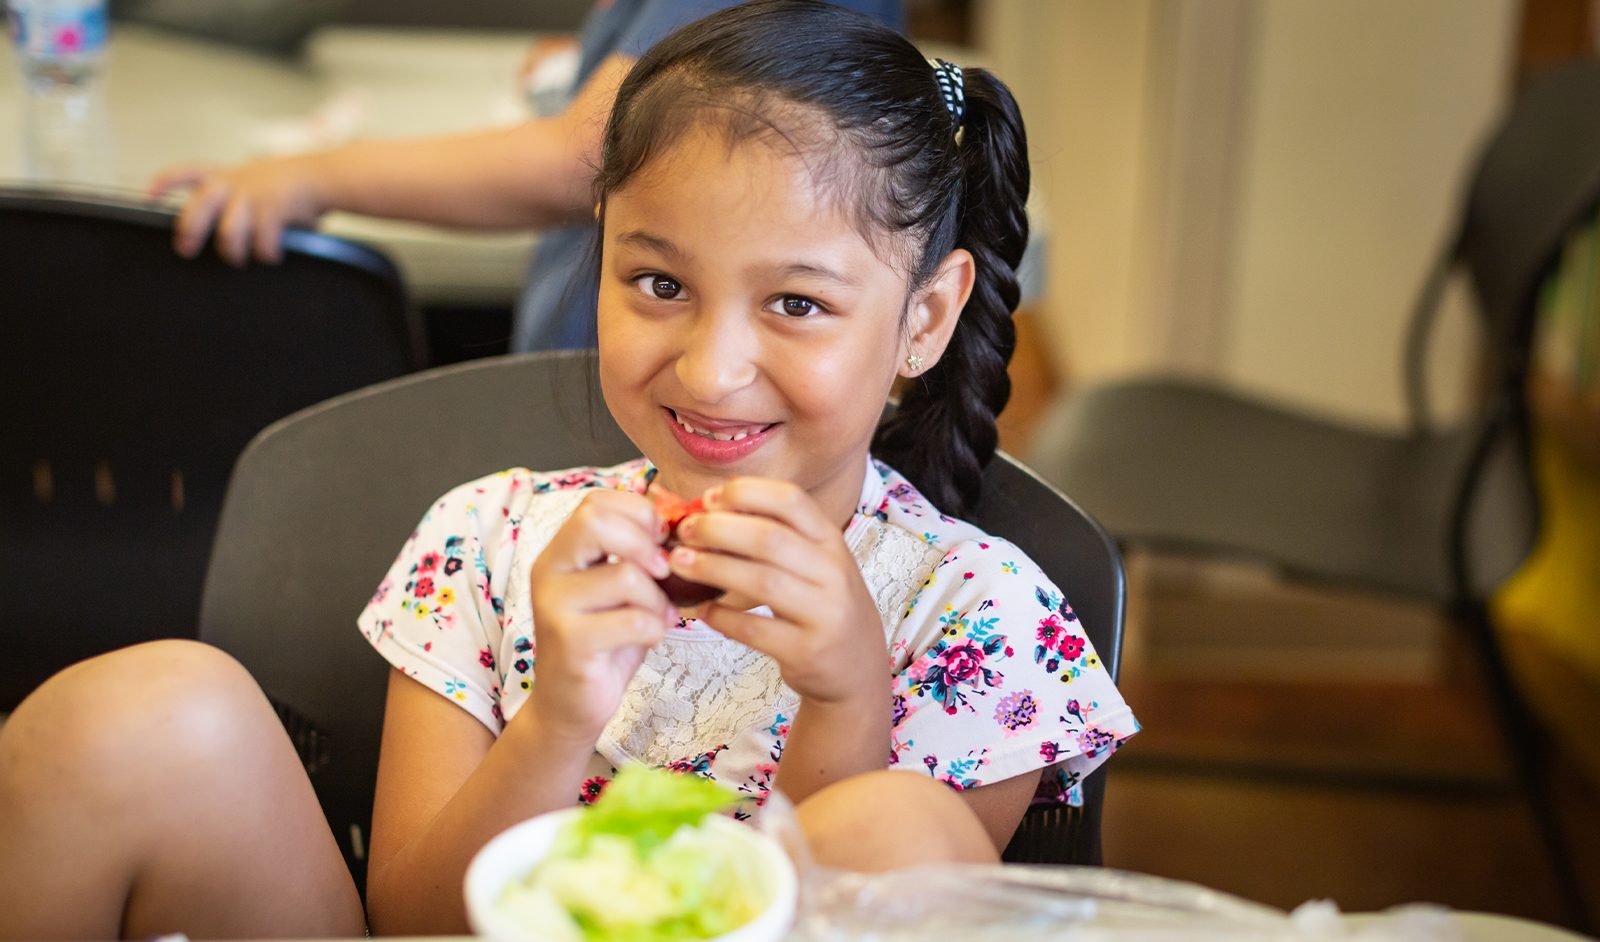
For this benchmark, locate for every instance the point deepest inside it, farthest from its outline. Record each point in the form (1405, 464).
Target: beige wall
(1079, 71)
(1364, 118)
(1252, 189)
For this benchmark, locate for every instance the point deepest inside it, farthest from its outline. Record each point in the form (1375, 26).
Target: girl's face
(745, 327)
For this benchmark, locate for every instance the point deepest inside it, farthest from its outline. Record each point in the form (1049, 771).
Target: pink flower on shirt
(963, 661)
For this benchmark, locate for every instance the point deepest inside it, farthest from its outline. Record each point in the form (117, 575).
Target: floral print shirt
(993, 677)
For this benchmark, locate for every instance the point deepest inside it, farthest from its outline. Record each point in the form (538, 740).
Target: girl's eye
(795, 306)
(662, 287)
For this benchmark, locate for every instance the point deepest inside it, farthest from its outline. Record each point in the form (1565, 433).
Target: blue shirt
(557, 307)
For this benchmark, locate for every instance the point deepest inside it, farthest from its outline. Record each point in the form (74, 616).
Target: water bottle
(61, 47)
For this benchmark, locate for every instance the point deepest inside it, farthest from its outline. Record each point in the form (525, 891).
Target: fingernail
(660, 568)
(713, 497)
(683, 556)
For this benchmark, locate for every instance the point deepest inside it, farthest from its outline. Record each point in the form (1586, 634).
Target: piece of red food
(680, 591)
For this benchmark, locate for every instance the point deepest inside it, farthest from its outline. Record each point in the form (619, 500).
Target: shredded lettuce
(637, 868)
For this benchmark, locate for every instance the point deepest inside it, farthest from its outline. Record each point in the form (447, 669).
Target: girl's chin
(690, 482)
(686, 484)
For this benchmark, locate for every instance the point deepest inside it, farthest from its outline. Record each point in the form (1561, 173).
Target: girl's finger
(621, 628)
(770, 636)
(781, 500)
(608, 586)
(779, 589)
(752, 537)
(603, 527)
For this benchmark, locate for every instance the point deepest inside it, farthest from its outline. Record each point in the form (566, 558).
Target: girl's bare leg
(153, 790)
(865, 822)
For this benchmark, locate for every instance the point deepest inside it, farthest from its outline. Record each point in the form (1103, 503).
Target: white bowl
(513, 854)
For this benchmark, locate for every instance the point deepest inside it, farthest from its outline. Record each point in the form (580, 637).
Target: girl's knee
(129, 706)
(889, 819)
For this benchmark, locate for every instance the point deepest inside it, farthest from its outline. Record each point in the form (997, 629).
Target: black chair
(133, 379)
(1071, 547)
(1437, 514)
(320, 503)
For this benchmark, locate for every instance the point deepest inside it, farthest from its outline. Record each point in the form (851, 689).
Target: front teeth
(715, 436)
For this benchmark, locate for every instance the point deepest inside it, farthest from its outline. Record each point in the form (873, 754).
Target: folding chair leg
(1528, 745)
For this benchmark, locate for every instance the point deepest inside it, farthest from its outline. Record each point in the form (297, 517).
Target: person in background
(537, 174)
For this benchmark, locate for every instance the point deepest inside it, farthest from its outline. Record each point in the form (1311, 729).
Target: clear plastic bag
(1003, 903)
(1074, 904)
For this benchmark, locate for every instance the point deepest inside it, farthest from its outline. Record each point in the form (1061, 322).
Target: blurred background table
(174, 98)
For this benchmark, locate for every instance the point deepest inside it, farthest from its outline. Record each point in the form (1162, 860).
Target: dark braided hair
(867, 109)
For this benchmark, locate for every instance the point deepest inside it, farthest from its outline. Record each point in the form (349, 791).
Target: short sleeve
(1002, 680)
(438, 613)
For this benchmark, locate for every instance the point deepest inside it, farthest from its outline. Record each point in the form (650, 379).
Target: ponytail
(944, 433)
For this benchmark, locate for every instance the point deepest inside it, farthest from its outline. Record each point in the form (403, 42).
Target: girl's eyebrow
(638, 238)
(805, 269)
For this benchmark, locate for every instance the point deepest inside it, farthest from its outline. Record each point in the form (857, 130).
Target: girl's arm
(446, 786)
(1000, 807)
(830, 741)
(537, 173)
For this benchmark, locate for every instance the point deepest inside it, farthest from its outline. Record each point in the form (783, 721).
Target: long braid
(944, 433)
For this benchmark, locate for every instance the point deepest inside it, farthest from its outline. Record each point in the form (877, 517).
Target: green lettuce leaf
(649, 805)
(635, 867)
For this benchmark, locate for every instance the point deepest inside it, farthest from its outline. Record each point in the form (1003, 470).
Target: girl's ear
(934, 311)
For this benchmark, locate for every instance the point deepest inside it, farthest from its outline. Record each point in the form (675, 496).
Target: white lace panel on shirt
(692, 695)
(894, 563)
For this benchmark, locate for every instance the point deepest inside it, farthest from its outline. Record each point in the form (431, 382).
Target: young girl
(795, 209)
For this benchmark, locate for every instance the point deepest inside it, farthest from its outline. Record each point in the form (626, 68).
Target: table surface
(173, 99)
(1475, 927)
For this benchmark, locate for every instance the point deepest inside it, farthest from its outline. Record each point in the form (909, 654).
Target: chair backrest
(317, 508)
(321, 502)
(133, 378)
(1536, 179)
(1078, 555)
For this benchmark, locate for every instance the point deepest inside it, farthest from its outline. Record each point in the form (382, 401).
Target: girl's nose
(719, 356)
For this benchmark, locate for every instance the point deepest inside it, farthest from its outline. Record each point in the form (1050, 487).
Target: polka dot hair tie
(948, 75)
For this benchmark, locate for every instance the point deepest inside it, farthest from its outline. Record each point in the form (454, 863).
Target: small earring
(914, 363)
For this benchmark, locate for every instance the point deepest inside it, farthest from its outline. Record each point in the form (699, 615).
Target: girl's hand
(767, 542)
(596, 610)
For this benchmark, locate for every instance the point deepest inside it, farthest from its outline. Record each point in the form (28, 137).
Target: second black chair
(133, 378)
(1439, 514)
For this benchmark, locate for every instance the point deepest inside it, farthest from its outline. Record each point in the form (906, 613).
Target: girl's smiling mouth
(716, 441)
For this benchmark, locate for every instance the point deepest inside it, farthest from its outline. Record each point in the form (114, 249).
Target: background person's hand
(248, 206)
(596, 611)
